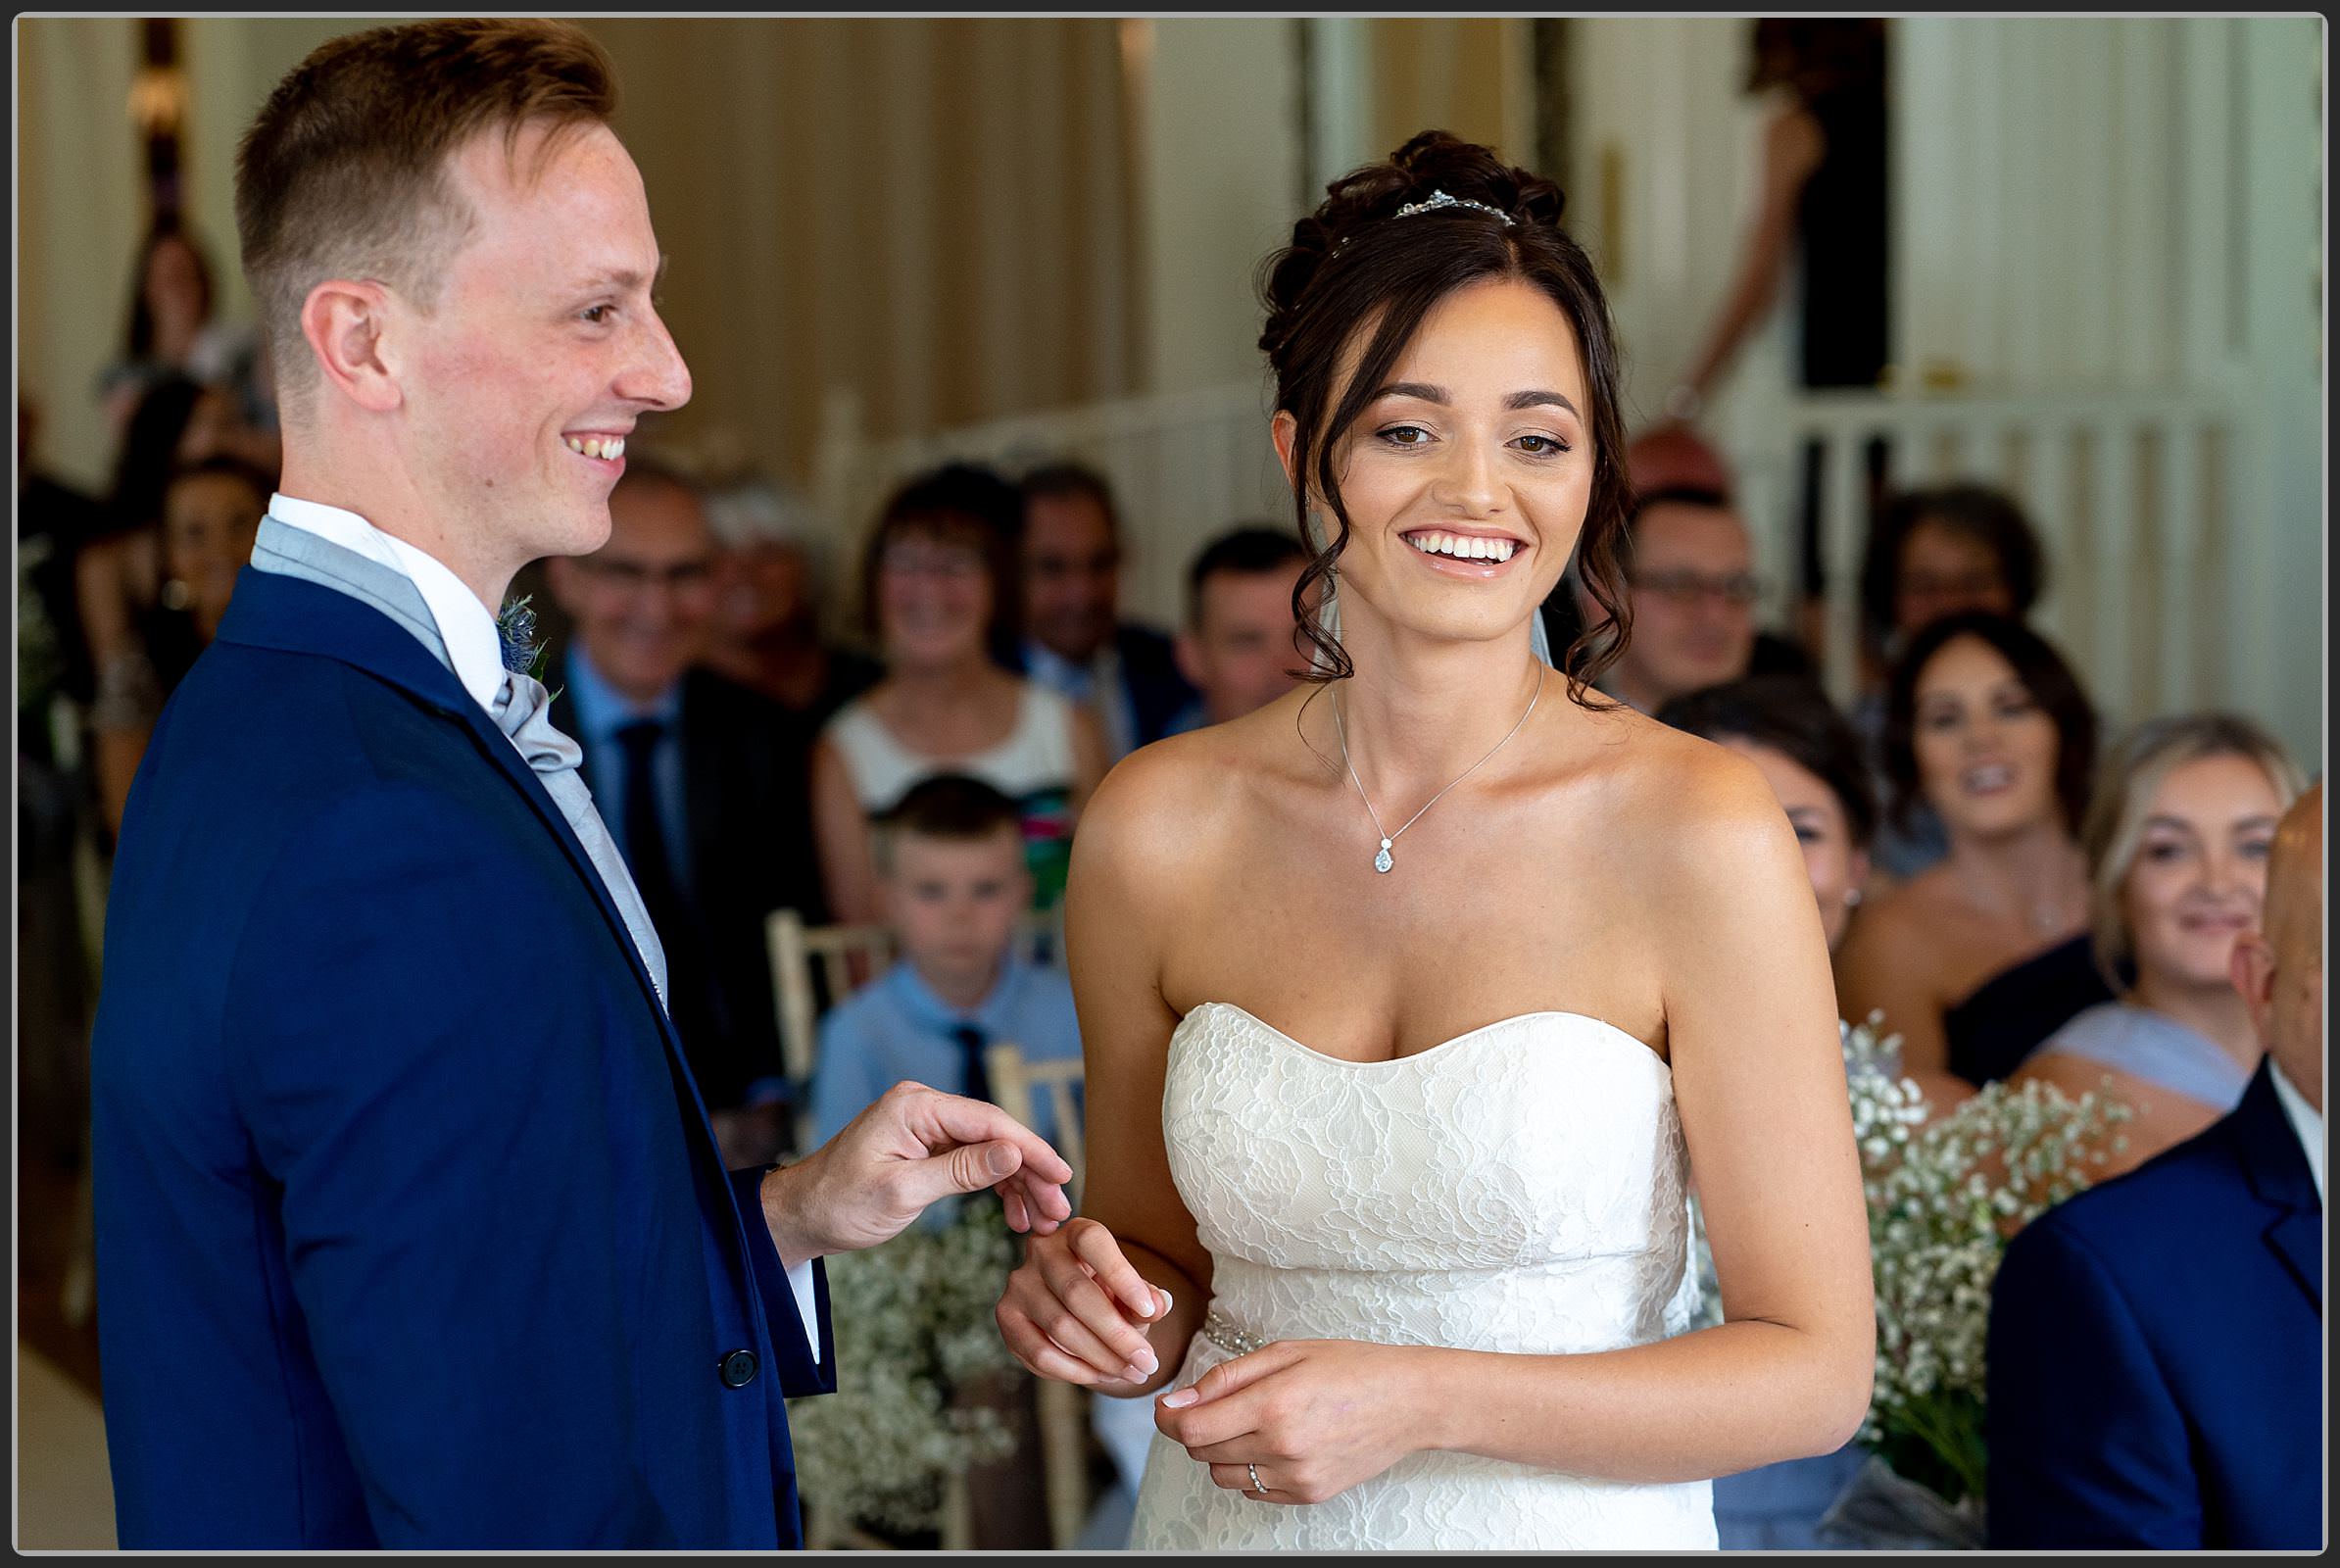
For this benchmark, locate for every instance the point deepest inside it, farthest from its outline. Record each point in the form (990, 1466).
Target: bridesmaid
(1977, 960)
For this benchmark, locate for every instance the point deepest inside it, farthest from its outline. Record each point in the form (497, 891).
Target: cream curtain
(932, 213)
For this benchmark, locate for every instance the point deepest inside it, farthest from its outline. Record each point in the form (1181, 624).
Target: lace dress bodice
(1517, 1189)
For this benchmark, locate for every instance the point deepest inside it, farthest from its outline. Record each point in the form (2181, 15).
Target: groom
(410, 1228)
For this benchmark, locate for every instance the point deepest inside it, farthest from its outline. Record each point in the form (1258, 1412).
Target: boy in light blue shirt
(952, 884)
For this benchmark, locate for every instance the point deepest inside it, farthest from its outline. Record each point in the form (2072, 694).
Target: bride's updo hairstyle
(1355, 265)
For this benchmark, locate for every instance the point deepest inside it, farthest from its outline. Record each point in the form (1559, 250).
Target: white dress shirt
(2306, 1121)
(469, 630)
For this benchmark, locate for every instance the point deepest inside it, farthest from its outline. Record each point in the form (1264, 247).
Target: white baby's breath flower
(1944, 1196)
(914, 1322)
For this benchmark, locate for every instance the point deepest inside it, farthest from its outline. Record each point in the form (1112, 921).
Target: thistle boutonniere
(515, 632)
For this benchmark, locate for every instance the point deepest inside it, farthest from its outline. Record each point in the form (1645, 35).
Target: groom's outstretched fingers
(908, 1149)
(1031, 1189)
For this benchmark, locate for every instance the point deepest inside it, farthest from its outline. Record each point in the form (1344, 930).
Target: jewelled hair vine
(1435, 200)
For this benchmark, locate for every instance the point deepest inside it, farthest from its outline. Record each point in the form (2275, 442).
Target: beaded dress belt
(1222, 1331)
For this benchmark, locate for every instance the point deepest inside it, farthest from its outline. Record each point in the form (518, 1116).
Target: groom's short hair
(344, 173)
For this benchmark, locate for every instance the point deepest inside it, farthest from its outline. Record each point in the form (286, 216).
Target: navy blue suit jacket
(410, 1228)
(1158, 694)
(2156, 1354)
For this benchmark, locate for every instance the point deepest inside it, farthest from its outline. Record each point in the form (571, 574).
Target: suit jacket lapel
(2298, 1239)
(293, 615)
(2269, 1146)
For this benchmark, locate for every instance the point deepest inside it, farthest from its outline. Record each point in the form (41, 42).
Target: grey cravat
(519, 710)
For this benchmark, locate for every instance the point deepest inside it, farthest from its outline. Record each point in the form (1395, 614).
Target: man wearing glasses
(701, 782)
(1690, 576)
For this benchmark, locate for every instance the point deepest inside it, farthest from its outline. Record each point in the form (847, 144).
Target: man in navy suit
(1075, 642)
(2156, 1344)
(412, 1228)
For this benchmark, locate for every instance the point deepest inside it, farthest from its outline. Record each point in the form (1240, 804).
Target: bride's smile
(1468, 553)
(1466, 475)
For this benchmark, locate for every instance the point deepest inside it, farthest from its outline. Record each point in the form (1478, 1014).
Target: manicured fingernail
(1134, 1373)
(1146, 1361)
(1180, 1400)
(1164, 1309)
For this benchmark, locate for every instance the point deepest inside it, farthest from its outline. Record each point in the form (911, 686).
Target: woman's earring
(1852, 898)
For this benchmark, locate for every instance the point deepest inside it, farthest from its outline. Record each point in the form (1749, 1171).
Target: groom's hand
(912, 1148)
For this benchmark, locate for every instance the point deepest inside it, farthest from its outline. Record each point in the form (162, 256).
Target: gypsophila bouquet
(913, 1326)
(1944, 1197)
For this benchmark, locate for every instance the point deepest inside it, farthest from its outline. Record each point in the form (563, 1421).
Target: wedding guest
(701, 782)
(1977, 960)
(767, 632)
(55, 524)
(1934, 552)
(54, 684)
(938, 584)
(2177, 837)
(1690, 576)
(210, 516)
(1820, 216)
(1690, 579)
(1240, 648)
(1812, 762)
(118, 576)
(1938, 551)
(1816, 765)
(2156, 1344)
(172, 333)
(1075, 641)
(951, 887)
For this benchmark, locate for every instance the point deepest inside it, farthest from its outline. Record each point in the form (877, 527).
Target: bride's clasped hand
(1305, 1420)
(1314, 1417)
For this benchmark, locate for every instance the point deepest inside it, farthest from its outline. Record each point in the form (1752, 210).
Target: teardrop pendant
(1382, 862)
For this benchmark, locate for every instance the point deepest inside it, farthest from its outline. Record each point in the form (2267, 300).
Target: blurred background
(2092, 253)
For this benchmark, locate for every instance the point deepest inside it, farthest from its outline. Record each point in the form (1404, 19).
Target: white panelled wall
(2106, 298)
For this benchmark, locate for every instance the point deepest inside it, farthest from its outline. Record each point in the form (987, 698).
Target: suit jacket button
(738, 1369)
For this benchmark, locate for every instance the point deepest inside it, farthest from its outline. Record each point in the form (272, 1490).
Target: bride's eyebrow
(1535, 398)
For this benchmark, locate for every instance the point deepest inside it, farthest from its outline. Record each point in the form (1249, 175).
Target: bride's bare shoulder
(1679, 797)
(1161, 808)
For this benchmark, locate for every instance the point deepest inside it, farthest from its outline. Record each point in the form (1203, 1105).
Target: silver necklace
(1382, 862)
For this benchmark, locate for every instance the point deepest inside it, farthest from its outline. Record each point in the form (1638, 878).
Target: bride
(1411, 1000)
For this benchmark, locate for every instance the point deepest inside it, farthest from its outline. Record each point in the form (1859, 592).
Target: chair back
(1017, 1086)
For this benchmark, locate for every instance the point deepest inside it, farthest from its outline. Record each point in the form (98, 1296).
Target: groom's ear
(345, 321)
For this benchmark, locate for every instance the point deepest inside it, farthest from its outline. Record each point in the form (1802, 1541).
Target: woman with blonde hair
(2177, 836)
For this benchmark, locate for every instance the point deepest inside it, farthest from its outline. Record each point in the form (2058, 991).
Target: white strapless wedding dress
(1516, 1189)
